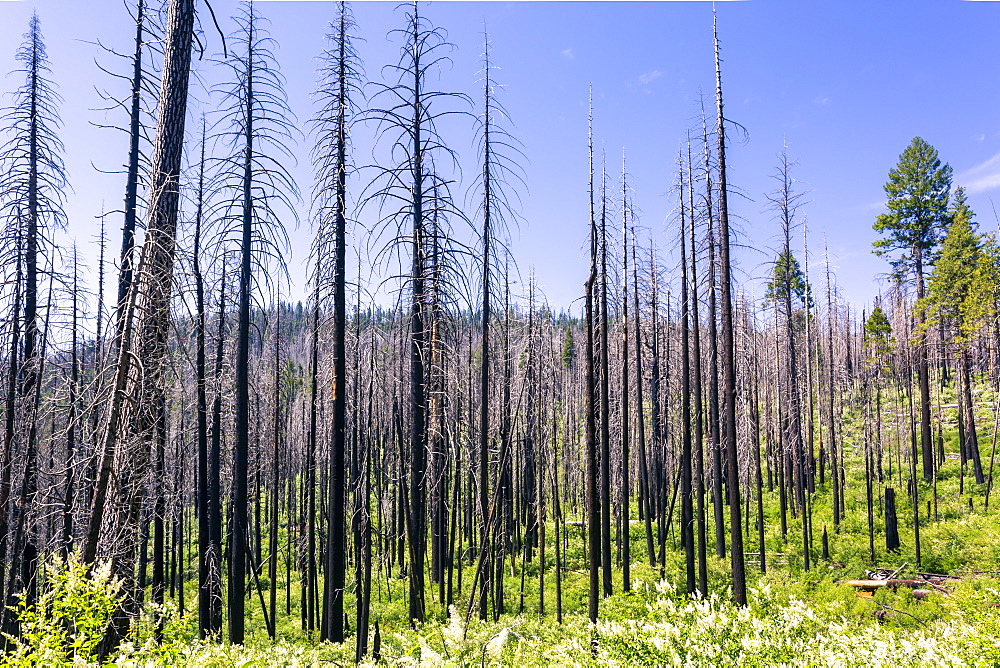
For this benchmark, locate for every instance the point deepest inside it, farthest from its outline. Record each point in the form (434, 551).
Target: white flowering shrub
(788, 622)
(452, 643)
(69, 618)
(712, 631)
(656, 625)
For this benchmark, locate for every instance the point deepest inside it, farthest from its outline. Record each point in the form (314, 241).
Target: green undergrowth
(796, 616)
(806, 620)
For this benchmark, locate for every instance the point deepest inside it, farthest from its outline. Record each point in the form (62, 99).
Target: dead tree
(143, 334)
(407, 112)
(728, 351)
(256, 129)
(338, 90)
(31, 197)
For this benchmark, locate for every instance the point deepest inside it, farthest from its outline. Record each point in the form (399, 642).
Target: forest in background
(189, 458)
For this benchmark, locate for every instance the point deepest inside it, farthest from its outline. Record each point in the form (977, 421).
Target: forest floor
(794, 616)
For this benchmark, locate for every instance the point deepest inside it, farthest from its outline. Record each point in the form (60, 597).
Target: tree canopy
(878, 333)
(951, 280)
(788, 280)
(917, 192)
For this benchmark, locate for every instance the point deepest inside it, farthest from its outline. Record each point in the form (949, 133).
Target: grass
(795, 616)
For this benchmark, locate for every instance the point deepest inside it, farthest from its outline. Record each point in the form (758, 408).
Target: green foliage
(788, 281)
(917, 192)
(951, 281)
(656, 625)
(70, 617)
(795, 617)
(980, 305)
(568, 349)
(878, 334)
(978, 603)
(160, 634)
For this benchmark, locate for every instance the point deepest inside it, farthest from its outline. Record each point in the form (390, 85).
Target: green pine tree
(788, 278)
(979, 307)
(917, 192)
(568, 349)
(950, 287)
(878, 334)
(951, 281)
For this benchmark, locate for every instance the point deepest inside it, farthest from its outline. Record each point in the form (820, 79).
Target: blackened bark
(687, 509)
(336, 562)
(729, 356)
(593, 509)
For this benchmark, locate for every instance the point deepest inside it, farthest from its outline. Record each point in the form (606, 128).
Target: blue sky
(846, 84)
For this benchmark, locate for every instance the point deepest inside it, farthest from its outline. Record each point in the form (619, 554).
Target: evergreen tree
(878, 333)
(949, 287)
(951, 280)
(568, 349)
(917, 192)
(787, 279)
(979, 308)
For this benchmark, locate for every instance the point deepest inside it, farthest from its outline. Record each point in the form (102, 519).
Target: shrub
(70, 617)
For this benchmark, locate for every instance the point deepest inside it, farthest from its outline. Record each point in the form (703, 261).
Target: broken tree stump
(891, 523)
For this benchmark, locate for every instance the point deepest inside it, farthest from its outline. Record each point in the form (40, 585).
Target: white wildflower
(454, 633)
(496, 643)
(427, 655)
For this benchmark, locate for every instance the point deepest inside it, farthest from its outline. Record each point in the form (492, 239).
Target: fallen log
(898, 570)
(867, 588)
(893, 583)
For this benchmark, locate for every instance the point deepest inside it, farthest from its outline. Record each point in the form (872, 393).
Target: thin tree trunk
(625, 408)
(687, 511)
(729, 357)
(241, 447)
(336, 563)
(593, 509)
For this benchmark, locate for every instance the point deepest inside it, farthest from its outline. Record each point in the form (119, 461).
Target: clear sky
(847, 84)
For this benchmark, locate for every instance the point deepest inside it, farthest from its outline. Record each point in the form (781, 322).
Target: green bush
(70, 617)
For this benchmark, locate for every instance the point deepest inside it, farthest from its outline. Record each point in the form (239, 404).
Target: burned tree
(339, 88)
(255, 132)
(32, 189)
(411, 191)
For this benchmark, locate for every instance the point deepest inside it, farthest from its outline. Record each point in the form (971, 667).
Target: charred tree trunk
(593, 509)
(729, 357)
(687, 506)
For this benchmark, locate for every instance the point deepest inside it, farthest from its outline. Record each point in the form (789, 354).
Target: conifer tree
(979, 308)
(917, 192)
(949, 286)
